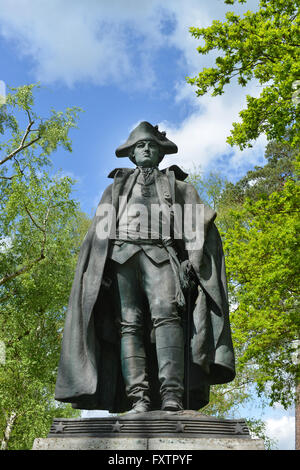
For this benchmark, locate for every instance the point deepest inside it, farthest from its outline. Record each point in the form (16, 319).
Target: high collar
(179, 173)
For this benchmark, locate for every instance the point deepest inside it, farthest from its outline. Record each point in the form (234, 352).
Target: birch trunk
(9, 424)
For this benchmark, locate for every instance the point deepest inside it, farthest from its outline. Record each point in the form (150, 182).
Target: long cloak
(89, 373)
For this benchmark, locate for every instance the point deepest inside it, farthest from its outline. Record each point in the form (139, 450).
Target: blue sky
(123, 62)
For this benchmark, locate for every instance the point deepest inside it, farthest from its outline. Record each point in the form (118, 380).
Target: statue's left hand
(187, 275)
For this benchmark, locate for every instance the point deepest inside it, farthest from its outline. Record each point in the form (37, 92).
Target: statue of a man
(147, 325)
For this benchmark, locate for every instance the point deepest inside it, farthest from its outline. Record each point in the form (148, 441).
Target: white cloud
(101, 41)
(95, 41)
(71, 40)
(283, 431)
(2, 92)
(5, 244)
(116, 42)
(201, 137)
(95, 414)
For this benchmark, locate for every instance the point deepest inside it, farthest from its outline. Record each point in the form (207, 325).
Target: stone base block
(137, 444)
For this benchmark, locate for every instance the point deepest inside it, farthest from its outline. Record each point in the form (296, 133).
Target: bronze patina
(147, 326)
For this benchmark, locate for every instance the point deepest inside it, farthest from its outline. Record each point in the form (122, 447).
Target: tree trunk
(297, 418)
(9, 424)
(296, 360)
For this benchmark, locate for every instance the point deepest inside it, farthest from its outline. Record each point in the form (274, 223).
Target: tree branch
(8, 177)
(33, 220)
(234, 388)
(22, 145)
(11, 342)
(9, 277)
(23, 270)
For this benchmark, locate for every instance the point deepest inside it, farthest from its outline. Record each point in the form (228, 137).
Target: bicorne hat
(145, 131)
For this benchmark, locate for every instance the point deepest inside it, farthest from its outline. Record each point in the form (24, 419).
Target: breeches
(145, 288)
(140, 282)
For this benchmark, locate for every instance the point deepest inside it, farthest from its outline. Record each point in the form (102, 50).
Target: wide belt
(168, 244)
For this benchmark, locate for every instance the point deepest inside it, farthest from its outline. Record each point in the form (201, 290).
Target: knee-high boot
(133, 360)
(170, 356)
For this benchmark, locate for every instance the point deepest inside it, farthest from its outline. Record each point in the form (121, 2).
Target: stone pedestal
(155, 430)
(136, 444)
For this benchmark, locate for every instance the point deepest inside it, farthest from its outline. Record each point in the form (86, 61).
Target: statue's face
(146, 153)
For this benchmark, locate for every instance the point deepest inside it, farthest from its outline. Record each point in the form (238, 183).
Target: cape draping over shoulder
(89, 372)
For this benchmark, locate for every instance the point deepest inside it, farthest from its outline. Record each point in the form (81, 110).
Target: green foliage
(261, 45)
(262, 181)
(41, 231)
(258, 429)
(257, 183)
(258, 218)
(209, 187)
(262, 266)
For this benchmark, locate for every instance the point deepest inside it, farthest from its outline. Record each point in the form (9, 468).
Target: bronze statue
(147, 325)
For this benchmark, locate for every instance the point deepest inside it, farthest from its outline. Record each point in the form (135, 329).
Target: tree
(259, 182)
(209, 187)
(258, 218)
(24, 184)
(41, 231)
(262, 45)
(262, 266)
(31, 325)
(262, 181)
